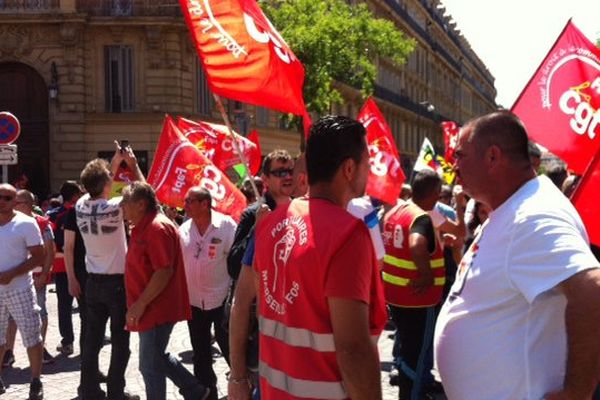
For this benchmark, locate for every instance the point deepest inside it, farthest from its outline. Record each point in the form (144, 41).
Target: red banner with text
(243, 55)
(559, 105)
(215, 143)
(385, 176)
(450, 130)
(179, 165)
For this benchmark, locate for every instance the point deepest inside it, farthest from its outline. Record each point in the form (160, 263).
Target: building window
(118, 70)
(262, 116)
(121, 8)
(205, 99)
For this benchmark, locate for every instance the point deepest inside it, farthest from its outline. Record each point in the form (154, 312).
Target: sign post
(10, 129)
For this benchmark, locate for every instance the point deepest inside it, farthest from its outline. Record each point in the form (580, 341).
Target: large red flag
(450, 129)
(559, 105)
(244, 56)
(585, 200)
(385, 176)
(178, 165)
(215, 143)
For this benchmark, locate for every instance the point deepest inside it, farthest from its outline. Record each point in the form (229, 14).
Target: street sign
(10, 128)
(8, 154)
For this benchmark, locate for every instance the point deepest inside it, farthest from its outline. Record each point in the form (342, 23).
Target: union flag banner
(559, 105)
(450, 129)
(215, 143)
(585, 200)
(178, 165)
(428, 158)
(244, 56)
(385, 176)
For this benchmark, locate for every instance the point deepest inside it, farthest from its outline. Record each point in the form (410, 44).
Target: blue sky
(512, 37)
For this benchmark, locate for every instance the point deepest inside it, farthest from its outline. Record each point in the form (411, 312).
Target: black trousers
(82, 304)
(415, 332)
(199, 328)
(65, 308)
(105, 297)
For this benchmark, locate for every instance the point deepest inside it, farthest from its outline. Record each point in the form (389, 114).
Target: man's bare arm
(69, 253)
(239, 327)
(419, 251)
(582, 319)
(355, 350)
(36, 259)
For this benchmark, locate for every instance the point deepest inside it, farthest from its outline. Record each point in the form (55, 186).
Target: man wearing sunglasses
(22, 249)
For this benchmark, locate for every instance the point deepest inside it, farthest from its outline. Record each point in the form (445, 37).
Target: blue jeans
(156, 366)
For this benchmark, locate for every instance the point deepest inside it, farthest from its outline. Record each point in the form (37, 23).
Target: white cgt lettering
(585, 118)
(210, 181)
(265, 37)
(180, 179)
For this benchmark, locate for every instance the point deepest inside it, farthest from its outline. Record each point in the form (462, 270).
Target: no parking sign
(10, 128)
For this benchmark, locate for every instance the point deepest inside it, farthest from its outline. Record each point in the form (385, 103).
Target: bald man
(22, 249)
(522, 318)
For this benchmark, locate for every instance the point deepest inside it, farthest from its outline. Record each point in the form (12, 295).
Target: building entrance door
(23, 92)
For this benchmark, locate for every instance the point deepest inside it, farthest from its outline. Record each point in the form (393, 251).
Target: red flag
(450, 129)
(559, 105)
(244, 56)
(253, 137)
(178, 165)
(385, 176)
(585, 200)
(214, 142)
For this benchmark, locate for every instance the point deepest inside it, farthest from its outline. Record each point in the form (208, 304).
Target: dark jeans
(105, 297)
(199, 327)
(65, 308)
(415, 332)
(156, 365)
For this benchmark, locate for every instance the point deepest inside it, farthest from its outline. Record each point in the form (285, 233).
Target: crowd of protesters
(490, 284)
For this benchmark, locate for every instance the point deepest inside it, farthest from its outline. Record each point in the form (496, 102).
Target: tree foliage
(336, 42)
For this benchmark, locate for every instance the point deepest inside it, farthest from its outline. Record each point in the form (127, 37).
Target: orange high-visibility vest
(398, 266)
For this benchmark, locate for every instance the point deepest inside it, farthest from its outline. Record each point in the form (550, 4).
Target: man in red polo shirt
(157, 295)
(320, 298)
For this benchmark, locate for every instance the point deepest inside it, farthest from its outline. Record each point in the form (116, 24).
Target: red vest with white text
(293, 250)
(398, 266)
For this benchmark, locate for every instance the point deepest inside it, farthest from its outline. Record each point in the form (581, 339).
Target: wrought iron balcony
(130, 8)
(32, 6)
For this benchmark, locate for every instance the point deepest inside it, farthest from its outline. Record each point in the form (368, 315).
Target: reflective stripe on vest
(396, 280)
(298, 337)
(407, 264)
(301, 387)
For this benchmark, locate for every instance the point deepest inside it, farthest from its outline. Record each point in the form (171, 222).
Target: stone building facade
(81, 73)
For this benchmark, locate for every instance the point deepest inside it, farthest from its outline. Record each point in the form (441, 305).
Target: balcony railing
(29, 5)
(130, 8)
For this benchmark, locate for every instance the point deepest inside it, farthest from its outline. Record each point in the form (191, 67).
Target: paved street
(62, 378)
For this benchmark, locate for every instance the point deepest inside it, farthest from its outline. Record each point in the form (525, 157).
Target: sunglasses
(282, 172)
(6, 197)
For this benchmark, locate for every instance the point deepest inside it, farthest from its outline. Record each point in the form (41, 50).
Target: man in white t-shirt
(522, 318)
(21, 250)
(100, 221)
(206, 239)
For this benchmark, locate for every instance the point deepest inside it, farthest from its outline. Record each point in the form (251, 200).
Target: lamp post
(53, 86)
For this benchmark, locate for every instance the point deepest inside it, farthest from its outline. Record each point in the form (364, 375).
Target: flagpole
(236, 146)
(585, 177)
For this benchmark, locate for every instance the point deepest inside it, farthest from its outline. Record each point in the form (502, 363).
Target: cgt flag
(244, 56)
(178, 165)
(215, 144)
(559, 105)
(385, 176)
